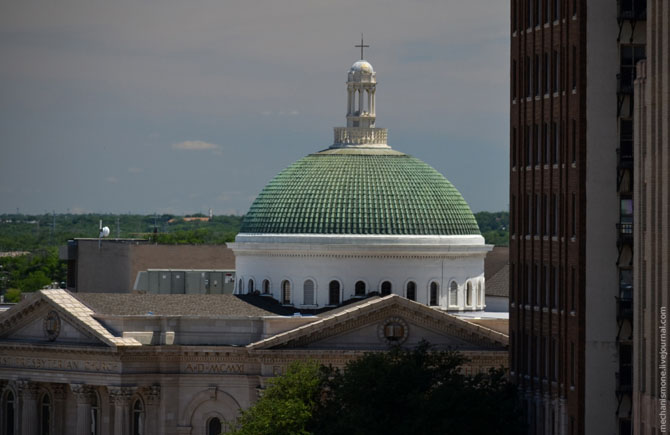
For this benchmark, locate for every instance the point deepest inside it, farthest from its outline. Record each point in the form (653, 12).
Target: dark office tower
(652, 227)
(571, 248)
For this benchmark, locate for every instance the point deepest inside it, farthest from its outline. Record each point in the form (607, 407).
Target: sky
(182, 106)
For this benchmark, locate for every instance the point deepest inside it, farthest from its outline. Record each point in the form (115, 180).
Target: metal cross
(362, 46)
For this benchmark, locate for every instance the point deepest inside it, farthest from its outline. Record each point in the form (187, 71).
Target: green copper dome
(360, 191)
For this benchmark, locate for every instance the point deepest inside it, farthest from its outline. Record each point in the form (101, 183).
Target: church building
(360, 217)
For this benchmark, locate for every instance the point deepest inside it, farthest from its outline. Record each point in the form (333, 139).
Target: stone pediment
(55, 316)
(380, 322)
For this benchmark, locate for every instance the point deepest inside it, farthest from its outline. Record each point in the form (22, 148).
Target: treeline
(494, 227)
(20, 232)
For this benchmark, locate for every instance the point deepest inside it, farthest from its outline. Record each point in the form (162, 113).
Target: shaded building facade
(571, 242)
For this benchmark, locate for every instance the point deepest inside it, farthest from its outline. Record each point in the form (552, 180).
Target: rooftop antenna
(104, 232)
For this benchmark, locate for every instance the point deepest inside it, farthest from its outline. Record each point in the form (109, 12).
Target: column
(152, 395)
(119, 398)
(58, 408)
(29, 394)
(372, 107)
(83, 395)
(360, 102)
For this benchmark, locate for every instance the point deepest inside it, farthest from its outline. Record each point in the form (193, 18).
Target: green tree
(287, 405)
(396, 392)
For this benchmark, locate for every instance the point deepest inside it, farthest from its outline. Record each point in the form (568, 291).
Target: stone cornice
(375, 311)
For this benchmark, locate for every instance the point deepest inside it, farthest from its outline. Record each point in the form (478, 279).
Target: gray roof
(498, 284)
(496, 259)
(133, 304)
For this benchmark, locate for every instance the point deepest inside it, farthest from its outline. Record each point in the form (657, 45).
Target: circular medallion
(52, 325)
(393, 331)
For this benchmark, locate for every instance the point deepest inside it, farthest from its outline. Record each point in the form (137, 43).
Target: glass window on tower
(629, 54)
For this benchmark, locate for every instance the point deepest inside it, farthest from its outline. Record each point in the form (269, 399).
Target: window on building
(410, 291)
(631, 9)
(453, 293)
(512, 219)
(286, 292)
(535, 145)
(557, 10)
(434, 290)
(526, 140)
(214, 426)
(250, 288)
(574, 141)
(547, 285)
(45, 415)
(536, 284)
(529, 284)
(556, 272)
(574, 8)
(554, 84)
(574, 215)
(515, 22)
(625, 375)
(626, 139)
(529, 79)
(626, 215)
(538, 214)
(545, 73)
(536, 19)
(574, 67)
(138, 418)
(359, 288)
(630, 54)
(547, 13)
(240, 286)
(545, 355)
(554, 143)
(334, 292)
(545, 211)
(546, 141)
(9, 407)
(514, 79)
(387, 288)
(554, 215)
(266, 286)
(572, 364)
(572, 288)
(556, 359)
(95, 414)
(514, 147)
(529, 13)
(308, 292)
(468, 294)
(536, 75)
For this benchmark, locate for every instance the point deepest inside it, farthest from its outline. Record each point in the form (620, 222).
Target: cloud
(195, 145)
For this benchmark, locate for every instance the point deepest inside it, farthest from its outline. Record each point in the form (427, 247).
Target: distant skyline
(178, 107)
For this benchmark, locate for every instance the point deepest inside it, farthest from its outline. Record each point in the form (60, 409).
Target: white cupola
(361, 87)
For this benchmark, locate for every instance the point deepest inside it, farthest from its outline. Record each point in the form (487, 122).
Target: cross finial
(362, 46)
